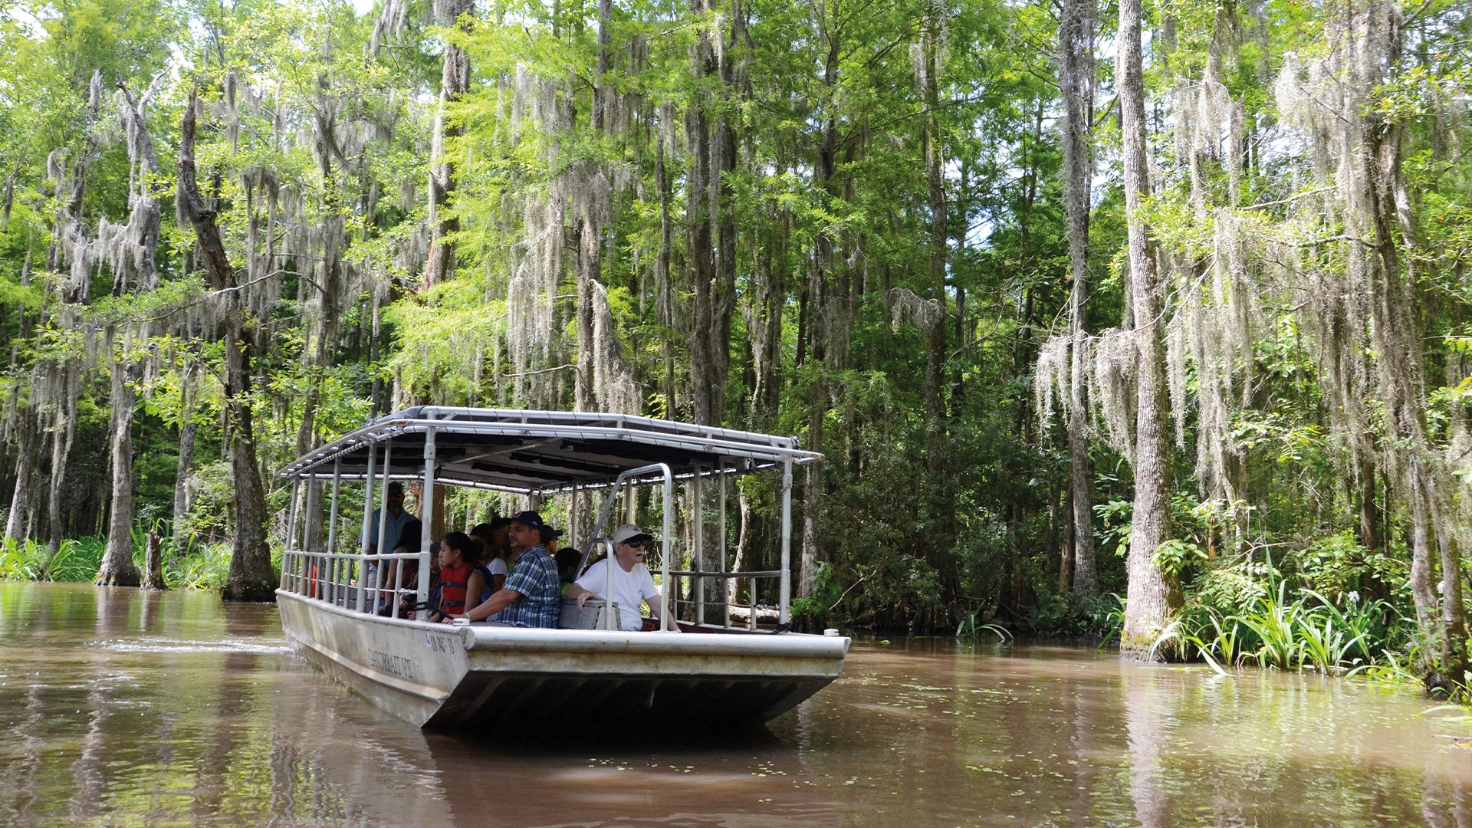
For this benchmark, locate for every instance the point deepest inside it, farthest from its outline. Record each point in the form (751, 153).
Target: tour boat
(724, 668)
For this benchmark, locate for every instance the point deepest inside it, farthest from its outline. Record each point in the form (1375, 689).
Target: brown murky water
(120, 708)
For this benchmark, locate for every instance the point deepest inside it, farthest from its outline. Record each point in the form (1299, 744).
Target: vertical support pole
(667, 619)
(786, 594)
(608, 564)
(572, 519)
(309, 511)
(367, 526)
(721, 551)
(310, 567)
(631, 503)
(382, 524)
(697, 491)
(295, 584)
(332, 562)
(291, 515)
(421, 593)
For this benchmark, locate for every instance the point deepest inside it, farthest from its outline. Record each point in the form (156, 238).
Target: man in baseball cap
(632, 583)
(532, 596)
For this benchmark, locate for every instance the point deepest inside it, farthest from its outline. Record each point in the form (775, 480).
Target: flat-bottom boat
(497, 679)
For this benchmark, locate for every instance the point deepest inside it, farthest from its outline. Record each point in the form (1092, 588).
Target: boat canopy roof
(542, 452)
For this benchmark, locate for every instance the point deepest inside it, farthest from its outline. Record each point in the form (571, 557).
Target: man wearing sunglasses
(632, 583)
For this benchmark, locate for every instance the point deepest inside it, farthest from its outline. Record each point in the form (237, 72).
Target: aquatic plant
(207, 567)
(30, 560)
(1274, 630)
(970, 628)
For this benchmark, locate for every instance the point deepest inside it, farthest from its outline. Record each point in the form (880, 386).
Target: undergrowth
(189, 566)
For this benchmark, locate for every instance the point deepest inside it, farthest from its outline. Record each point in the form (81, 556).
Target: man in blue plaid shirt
(532, 596)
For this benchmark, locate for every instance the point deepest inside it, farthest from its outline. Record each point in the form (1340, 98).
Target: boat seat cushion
(590, 617)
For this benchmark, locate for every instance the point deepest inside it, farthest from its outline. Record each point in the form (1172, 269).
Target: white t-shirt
(497, 566)
(630, 590)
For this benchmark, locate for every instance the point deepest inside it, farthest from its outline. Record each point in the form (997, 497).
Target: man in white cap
(632, 583)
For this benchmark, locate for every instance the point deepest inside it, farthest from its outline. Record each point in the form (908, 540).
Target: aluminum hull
(502, 680)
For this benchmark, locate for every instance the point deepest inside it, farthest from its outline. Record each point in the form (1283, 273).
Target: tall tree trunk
(63, 429)
(710, 223)
(935, 352)
(1370, 520)
(117, 567)
(187, 432)
(942, 504)
(25, 462)
(588, 265)
(1151, 597)
(664, 302)
(251, 577)
(1376, 35)
(700, 250)
(1076, 83)
(590, 231)
(454, 81)
(1398, 339)
(820, 323)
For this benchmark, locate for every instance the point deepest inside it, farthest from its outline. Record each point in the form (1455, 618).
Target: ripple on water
(259, 646)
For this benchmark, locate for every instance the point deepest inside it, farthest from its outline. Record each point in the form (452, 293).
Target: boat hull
(505, 680)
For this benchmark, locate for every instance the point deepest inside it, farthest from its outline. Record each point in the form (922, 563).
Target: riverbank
(195, 566)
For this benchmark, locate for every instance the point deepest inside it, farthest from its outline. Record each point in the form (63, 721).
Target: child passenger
(462, 576)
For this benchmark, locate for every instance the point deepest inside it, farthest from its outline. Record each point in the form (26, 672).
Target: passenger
(532, 596)
(632, 583)
(549, 539)
(462, 577)
(490, 552)
(394, 526)
(408, 541)
(567, 566)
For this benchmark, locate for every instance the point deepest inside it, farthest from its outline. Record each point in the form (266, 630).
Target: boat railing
(693, 604)
(338, 579)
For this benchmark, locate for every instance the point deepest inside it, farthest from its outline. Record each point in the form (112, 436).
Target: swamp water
(124, 708)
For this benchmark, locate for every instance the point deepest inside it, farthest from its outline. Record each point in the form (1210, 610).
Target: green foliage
(75, 560)
(315, 121)
(1270, 630)
(812, 612)
(1338, 566)
(1175, 556)
(194, 566)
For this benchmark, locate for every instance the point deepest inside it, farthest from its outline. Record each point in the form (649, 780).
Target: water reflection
(127, 707)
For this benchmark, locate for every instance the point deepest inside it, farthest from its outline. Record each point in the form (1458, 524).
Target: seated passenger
(491, 544)
(567, 566)
(463, 580)
(632, 583)
(408, 541)
(532, 596)
(549, 539)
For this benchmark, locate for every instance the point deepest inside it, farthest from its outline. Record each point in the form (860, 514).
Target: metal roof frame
(544, 452)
